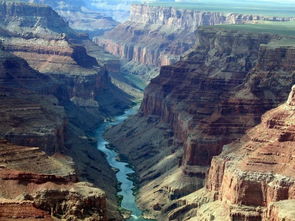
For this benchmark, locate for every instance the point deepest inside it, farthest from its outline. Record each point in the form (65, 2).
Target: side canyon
(202, 106)
(155, 36)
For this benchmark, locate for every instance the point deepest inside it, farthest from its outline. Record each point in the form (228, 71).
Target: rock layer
(206, 101)
(258, 169)
(158, 36)
(44, 187)
(54, 95)
(80, 15)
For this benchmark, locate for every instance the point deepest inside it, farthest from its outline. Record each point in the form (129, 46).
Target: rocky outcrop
(202, 103)
(15, 166)
(190, 19)
(53, 94)
(21, 210)
(258, 169)
(28, 118)
(81, 202)
(34, 185)
(80, 16)
(158, 36)
(221, 114)
(41, 37)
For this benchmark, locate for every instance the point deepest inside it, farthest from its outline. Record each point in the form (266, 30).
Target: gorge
(193, 110)
(155, 36)
(212, 139)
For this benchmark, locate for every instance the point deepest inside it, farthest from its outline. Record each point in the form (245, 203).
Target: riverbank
(125, 171)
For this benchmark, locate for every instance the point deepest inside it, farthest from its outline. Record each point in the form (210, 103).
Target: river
(127, 185)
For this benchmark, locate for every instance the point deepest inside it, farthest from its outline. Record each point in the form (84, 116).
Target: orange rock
(260, 168)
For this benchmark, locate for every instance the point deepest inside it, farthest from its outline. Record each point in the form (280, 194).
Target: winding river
(127, 185)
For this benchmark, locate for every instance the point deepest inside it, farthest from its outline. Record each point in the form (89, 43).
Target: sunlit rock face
(195, 108)
(217, 92)
(160, 35)
(36, 185)
(258, 170)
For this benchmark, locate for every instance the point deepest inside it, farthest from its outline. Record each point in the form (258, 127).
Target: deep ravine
(124, 169)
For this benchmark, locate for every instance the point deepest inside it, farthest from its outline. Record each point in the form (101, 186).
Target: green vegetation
(279, 28)
(243, 7)
(284, 30)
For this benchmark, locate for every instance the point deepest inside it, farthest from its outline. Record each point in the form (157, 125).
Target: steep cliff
(254, 176)
(41, 37)
(53, 94)
(80, 16)
(27, 188)
(196, 107)
(158, 36)
(30, 118)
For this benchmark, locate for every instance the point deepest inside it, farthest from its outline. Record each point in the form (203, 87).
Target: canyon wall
(198, 106)
(33, 119)
(80, 16)
(53, 94)
(157, 36)
(253, 177)
(190, 19)
(45, 188)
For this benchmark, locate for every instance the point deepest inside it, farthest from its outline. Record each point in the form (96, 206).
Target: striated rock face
(28, 118)
(52, 95)
(206, 101)
(81, 202)
(15, 166)
(44, 187)
(21, 210)
(80, 16)
(259, 169)
(41, 37)
(210, 100)
(189, 19)
(158, 36)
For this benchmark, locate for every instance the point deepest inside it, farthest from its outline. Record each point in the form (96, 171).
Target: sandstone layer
(157, 36)
(258, 170)
(34, 119)
(36, 186)
(53, 94)
(197, 106)
(253, 177)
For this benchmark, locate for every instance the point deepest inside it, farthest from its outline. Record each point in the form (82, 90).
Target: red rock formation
(28, 118)
(52, 48)
(194, 108)
(21, 210)
(204, 98)
(52, 93)
(259, 169)
(160, 35)
(32, 182)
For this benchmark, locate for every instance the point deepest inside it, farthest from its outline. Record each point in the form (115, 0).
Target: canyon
(193, 111)
(212, 140)
(155, 36)
(80, 15)
(53, 95)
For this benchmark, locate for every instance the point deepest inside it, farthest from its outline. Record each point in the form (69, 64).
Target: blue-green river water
(127, 185)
